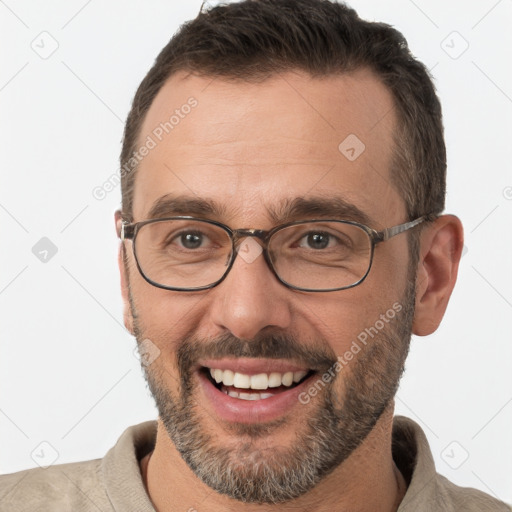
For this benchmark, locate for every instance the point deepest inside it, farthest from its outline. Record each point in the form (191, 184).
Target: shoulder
(466, 499)
(75, 486)
(101, 484)
(428, 491)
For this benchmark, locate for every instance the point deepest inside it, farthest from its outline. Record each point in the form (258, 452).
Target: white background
(68, 374)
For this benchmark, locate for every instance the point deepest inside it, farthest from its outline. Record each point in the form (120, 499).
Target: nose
(250, 298)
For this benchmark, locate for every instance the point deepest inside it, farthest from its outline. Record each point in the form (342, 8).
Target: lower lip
(238, 410)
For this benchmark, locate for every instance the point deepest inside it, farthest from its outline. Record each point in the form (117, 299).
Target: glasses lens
(321, 255)
(183, 253)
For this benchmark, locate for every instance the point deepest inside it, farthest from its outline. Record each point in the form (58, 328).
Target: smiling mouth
(259, 386)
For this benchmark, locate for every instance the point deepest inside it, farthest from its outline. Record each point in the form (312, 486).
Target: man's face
(251, 149)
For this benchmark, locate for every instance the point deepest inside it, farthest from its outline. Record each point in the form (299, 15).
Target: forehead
(253, 148)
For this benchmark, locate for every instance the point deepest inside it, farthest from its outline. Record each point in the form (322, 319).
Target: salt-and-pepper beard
(339, 424)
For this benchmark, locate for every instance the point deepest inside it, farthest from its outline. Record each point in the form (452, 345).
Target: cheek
(163, 322)
(343, 317)
(164, 311)
(338, 320)
(163, 316)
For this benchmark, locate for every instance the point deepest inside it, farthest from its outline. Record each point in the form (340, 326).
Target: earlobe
(123, 271)
(440, 252)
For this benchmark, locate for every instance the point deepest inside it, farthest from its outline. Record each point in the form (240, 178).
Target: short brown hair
(255, 39)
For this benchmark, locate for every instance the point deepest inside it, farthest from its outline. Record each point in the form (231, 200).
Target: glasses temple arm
(127, 230)
(388, 233)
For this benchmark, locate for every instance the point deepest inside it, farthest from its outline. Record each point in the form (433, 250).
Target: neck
(367, 481)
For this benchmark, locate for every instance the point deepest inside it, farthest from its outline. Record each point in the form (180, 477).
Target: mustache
(264, 346)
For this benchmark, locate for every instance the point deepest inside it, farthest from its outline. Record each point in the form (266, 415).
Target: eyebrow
(288, 210)
(323, 207)
(169, 205)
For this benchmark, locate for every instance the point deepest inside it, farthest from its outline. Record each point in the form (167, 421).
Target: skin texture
(249, 147)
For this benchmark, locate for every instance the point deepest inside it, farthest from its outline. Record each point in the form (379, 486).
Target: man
(281, 236)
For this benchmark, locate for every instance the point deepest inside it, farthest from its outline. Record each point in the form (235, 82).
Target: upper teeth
(259, 381)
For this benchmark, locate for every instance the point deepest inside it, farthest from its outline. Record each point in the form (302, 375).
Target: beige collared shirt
(115, 482)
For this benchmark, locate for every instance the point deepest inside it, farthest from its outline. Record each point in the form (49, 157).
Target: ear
(127, 310)
(440, 252)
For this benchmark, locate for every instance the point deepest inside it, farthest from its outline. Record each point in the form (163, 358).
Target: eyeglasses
(189, 254)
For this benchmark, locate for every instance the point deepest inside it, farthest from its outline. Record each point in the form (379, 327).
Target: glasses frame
(129, 231)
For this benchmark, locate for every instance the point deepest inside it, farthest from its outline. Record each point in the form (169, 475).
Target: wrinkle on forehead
(244, 142)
